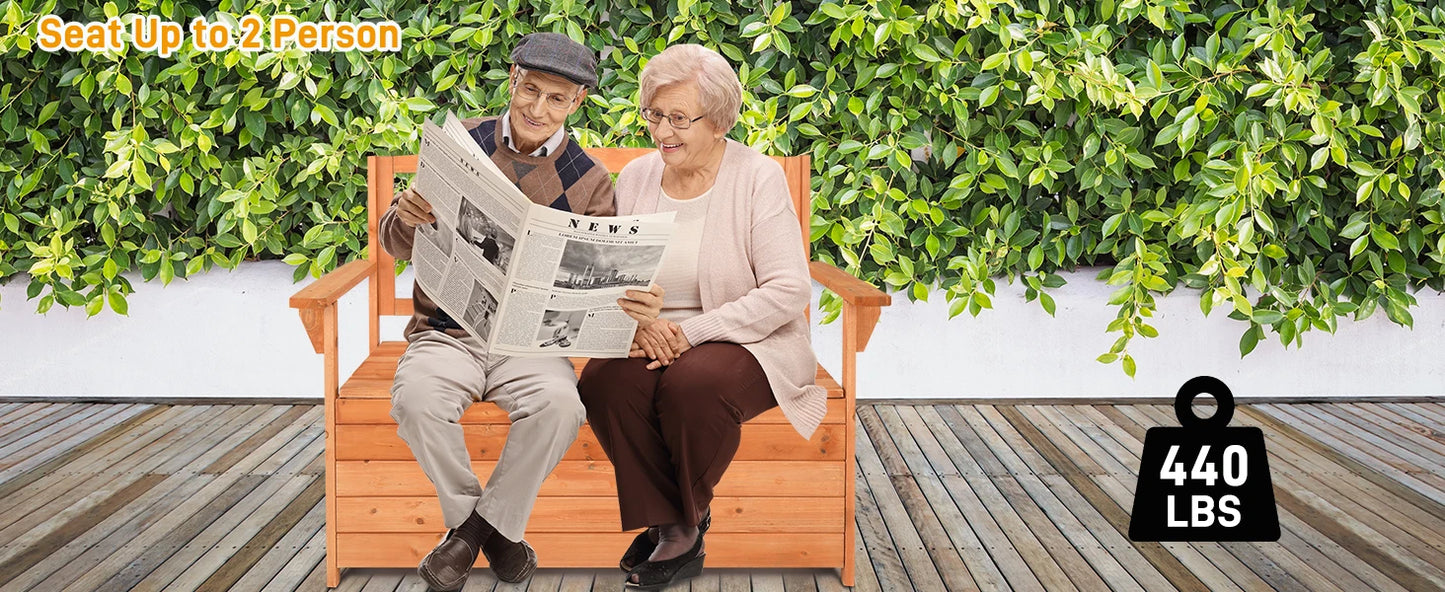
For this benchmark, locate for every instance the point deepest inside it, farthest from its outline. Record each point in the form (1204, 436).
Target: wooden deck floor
(119, 497)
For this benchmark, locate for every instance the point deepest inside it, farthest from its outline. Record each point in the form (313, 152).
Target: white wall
(228, 334)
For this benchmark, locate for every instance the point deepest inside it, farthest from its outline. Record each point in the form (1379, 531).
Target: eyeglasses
(529, 93)
(676, 120)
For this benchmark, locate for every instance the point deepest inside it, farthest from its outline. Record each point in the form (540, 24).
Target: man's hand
(662, 341)
(643, 306)
(413, 210)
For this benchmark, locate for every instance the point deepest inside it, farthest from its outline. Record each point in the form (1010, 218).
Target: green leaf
(1248, 341)
(1267, 317)
(802, 91)
(1362, 193)
(995, 61)
(1383, 238)
(118, 304)
(925, 53)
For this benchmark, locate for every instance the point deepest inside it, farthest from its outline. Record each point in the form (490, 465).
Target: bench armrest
(322, 294)
(332, 286)
(862, 304)
(852, 290)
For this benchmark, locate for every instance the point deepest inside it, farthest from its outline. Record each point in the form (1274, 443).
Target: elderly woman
(731, 340)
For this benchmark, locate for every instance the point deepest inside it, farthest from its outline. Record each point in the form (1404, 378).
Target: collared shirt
(548, 147)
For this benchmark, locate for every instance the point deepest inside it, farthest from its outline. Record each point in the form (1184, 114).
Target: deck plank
(938, 520)
(917, 561)
(1116, 481)
(973, 513)
(1117, 561)
(114, 497)
(1047, 552)
(1267, 561)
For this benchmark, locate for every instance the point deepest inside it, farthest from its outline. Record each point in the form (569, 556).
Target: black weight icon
(1204, 481)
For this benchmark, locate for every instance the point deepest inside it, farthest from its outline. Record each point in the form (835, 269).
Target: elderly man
(444, 369)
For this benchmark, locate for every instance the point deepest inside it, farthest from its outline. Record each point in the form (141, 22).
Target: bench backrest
(381, 172)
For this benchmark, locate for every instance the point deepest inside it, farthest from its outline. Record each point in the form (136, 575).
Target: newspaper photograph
(523, 278)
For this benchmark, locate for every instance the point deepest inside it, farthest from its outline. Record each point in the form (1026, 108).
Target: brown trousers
(672, 432)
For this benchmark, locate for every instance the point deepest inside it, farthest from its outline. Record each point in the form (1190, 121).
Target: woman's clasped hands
(658, 339)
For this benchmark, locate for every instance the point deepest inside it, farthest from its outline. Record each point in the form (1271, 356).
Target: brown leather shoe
(445, 568)
(512, 562)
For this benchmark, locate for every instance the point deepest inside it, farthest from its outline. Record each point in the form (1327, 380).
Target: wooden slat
(80, 554)
(372, 379)
(1117, 479)
(383, 172)
(22, 479)
(33, 419)
(1290, 523)
(266, 433)
(221, 538)
(311, 556)
(597, 514)
(138, 558)
(917, 563)
(261, 541)
(1345, 523)
(725, 550)
(33, 552)
(46, 437)
(1294, 467)
(744, 478)
(950, 539)
(759, 442)
(881, 558)
(378, 411)
(1430, 453)
(1047, 516)
(332, 286)
(53, 507)
(851, 289)
(1048, 554)
(1266, 561)
(616, 158)
(1041, 479)
(1006, 540)
(195, 517)
(25, 498)
(1407, 485)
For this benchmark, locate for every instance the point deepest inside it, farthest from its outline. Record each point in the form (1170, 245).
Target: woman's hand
(662, 341)
(643, 306)
(413, 210)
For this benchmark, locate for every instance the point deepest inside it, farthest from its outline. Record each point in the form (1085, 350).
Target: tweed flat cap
(558, 54)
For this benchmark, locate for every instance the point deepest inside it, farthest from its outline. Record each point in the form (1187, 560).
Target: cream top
(677, 274)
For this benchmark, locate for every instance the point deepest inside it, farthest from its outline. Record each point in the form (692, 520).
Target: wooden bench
(784, 502)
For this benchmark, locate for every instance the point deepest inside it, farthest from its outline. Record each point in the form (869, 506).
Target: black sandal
(642, 546)
(656, 575)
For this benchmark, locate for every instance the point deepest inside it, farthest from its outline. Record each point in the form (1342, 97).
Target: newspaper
(526, 279)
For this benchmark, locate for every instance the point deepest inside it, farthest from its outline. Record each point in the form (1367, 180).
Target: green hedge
(1284, 159)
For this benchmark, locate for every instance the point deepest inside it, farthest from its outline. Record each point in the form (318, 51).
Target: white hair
(719, 90)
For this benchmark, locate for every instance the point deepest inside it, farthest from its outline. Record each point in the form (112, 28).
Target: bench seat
(778, 494)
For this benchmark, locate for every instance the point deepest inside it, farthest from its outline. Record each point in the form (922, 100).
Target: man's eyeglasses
(529, 93)
(676, 120)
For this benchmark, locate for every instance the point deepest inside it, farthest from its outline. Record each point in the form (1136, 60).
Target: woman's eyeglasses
(676, 120)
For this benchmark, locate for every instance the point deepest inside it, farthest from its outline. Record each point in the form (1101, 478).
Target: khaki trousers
(438, 378)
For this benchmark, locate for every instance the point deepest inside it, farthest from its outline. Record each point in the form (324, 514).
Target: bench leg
(333, 573)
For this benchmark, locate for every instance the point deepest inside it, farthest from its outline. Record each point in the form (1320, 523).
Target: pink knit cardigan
(752, 274)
